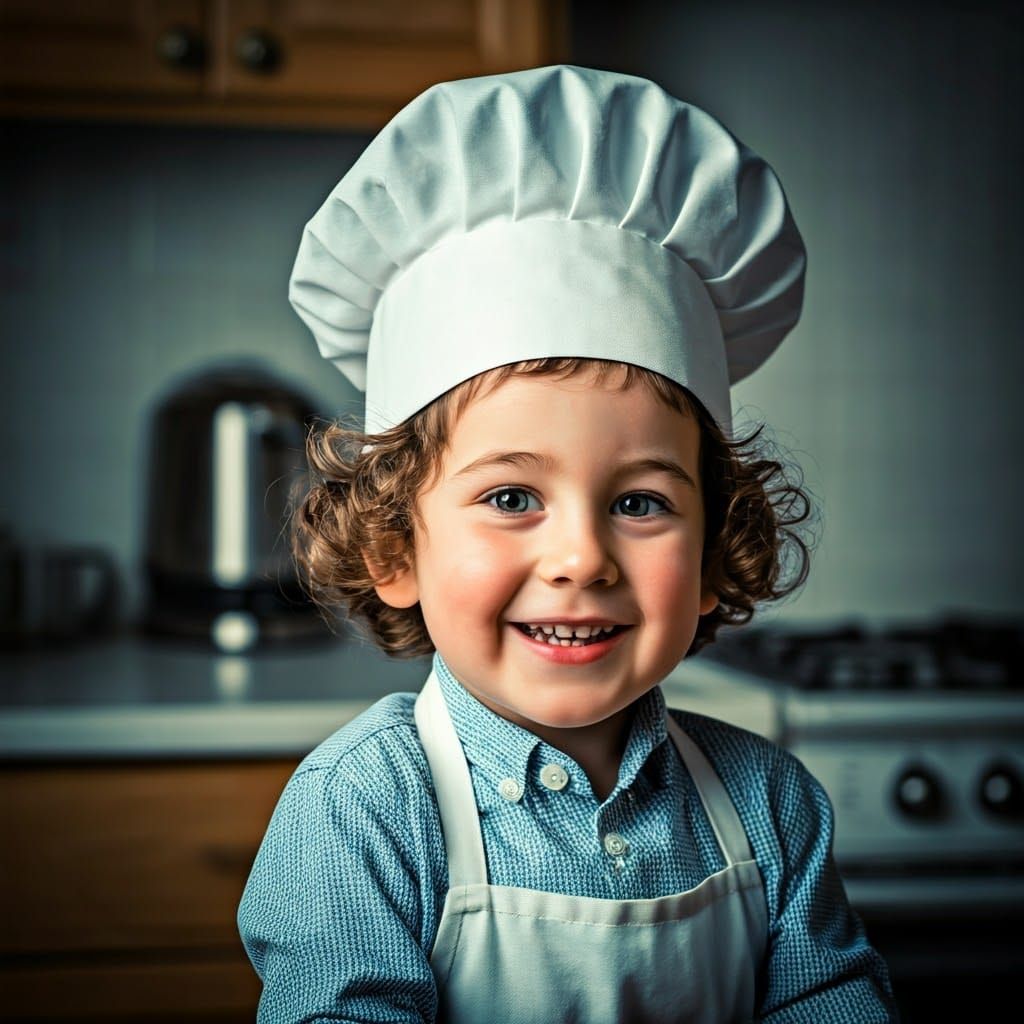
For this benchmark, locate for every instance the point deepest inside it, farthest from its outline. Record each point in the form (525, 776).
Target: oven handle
(1004, 894)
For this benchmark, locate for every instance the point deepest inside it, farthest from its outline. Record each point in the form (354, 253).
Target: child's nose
(577, 550)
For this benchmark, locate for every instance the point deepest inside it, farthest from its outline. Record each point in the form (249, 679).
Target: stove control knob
(1001, 791)
(918, 793)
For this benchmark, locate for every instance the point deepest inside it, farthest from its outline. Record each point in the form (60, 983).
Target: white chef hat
(558, 211)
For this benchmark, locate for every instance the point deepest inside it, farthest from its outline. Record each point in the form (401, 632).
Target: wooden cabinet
(119, 886)
(317, 63)
(81, 49)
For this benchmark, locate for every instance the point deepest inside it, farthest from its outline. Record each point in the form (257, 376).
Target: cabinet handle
(258, 51)
(181, 47)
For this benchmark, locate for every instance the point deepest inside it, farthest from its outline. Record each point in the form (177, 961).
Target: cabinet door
(348, 64)
(115, 48)
(373, 56)
(119, 886)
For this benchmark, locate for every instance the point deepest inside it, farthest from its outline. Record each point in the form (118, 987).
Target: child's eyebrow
(659, 465)
(533, 460)
(519, 460)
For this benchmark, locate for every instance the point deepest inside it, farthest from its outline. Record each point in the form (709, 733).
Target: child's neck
(597, 748)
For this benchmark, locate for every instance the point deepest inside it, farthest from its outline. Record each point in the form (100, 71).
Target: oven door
(953, 942)
(929, 837)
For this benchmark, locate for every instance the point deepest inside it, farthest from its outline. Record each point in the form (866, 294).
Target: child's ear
(397, 588)
(708, 601)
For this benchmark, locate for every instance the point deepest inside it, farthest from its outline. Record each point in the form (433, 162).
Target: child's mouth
(568, 636)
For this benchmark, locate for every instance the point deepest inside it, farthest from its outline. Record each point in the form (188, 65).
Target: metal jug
(227, 460)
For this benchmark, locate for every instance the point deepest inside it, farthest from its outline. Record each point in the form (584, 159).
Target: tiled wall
(129, 254)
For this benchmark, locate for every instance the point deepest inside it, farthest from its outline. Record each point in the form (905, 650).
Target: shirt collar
(501, 749)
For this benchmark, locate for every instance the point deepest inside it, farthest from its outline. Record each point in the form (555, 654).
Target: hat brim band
(516, 290)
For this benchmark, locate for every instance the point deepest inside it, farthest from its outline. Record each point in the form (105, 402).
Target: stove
(916, 731)
(917, 735)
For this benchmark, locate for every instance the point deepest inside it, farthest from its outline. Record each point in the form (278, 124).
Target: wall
(130, 254)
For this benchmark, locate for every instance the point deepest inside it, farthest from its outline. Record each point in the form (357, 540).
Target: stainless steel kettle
(227, 451)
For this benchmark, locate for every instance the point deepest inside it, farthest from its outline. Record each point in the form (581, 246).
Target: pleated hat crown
(559, 211)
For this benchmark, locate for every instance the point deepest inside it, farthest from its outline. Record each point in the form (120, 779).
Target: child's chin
(570, 717)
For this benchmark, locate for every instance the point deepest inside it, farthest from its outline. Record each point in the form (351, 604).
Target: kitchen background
(134, 253)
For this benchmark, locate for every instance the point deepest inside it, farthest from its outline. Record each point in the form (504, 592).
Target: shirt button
(510, 789)
(615, 844)
(554, 776)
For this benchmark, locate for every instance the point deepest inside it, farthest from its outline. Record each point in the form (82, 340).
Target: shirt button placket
(554, 776)
(615, 845)
(511, 789)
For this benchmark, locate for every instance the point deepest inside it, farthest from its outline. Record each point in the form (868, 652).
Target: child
(546, 281)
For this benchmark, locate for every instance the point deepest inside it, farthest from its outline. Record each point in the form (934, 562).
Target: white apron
(505, 954)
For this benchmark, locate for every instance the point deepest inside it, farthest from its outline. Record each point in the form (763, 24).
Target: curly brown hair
(361, 500)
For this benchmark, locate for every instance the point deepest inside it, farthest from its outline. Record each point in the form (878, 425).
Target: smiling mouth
(566, 636)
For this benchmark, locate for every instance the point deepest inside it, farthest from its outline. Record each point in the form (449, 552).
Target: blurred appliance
(917, 734)
(54, 595)
(227, 451)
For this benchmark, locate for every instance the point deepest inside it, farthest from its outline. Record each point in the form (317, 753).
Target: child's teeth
(562, 635)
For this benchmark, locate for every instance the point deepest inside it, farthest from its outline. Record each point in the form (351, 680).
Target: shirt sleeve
(331, 914)
(820, 965)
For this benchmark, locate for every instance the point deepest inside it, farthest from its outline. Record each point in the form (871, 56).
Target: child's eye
(513, 500)
(638, 505)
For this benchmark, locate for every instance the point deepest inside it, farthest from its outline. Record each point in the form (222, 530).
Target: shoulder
(738, 755)
(386, 723)
(361, 798)
(770, 787)
(352, 858)
(376, 759)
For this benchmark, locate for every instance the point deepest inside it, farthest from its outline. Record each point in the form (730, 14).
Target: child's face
(550, 509)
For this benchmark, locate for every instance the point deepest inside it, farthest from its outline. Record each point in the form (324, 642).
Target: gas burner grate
(954, 653)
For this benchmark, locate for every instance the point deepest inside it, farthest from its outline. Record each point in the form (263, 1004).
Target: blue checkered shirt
(344, 899)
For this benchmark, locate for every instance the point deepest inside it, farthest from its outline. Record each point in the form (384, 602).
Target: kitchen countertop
(129, 696)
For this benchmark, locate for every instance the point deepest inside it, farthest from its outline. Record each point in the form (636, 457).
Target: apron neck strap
(452, 786)
(719, 808)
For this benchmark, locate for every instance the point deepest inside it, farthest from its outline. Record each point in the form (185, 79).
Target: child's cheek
(487, 560)
(479, 574)
(670, 575)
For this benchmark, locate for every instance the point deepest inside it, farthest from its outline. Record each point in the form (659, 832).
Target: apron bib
(506, 954)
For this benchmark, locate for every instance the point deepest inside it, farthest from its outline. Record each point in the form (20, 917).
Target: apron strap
(719, 808)
(453, 787)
